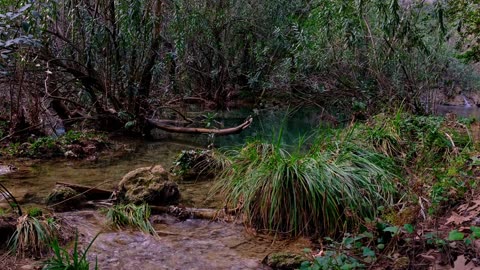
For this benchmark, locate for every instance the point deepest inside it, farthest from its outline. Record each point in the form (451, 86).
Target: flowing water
(189, 244)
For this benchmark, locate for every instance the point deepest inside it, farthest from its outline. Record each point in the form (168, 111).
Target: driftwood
(90, 193)
(192, 130)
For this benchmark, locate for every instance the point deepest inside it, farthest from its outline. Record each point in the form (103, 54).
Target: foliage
(435, 152)
(332, 260)
(131, 215)
(196, 163)
(331, 186)
(124, 57)
(35, 212)
(12, 39)
(464, 16)
(32, 235)
(51, 146)
(63, 260)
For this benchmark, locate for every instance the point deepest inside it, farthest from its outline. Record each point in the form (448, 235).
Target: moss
(148, 185)
(284, 261)
(61, 194)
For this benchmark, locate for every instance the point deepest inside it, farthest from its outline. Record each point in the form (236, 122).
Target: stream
(189, 244)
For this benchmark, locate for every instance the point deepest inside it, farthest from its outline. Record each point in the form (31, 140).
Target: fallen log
(91, 193)
(196, 213)
(192, 130)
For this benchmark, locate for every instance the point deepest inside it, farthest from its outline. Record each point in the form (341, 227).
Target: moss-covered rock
(148, 185)
(73, 200)
(284, 261)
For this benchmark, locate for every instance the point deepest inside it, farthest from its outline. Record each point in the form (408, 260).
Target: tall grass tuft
(32, 235)
(331, 186)
(62, 259)
(416, 141)
(131, 215)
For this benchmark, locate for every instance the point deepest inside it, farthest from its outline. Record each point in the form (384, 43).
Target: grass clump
(131, 215)
(330, 186)
(32, 235)
(62, 259)
(434, 152)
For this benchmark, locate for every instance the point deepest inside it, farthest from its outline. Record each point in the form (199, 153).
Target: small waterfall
(467, 104)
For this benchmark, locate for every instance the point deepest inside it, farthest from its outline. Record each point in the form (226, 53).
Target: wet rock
(150, 185)
(284, 261)
(4, 169)
(62, 193)
(195, 165)
(70, 154)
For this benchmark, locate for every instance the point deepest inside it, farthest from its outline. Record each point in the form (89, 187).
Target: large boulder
(148, 185)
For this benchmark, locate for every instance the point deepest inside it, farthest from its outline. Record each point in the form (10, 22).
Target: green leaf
(381, 246)
(475, 232)
(455, 235)
(468, 241)
(348, 241)
(130, 124)
(392, 229)
(367, 252)
(409, 228)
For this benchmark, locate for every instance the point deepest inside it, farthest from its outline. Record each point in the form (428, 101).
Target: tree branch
(219, 132)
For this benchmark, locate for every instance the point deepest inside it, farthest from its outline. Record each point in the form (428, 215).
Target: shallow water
(190, 244)
(31, 183)
(464, 111)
